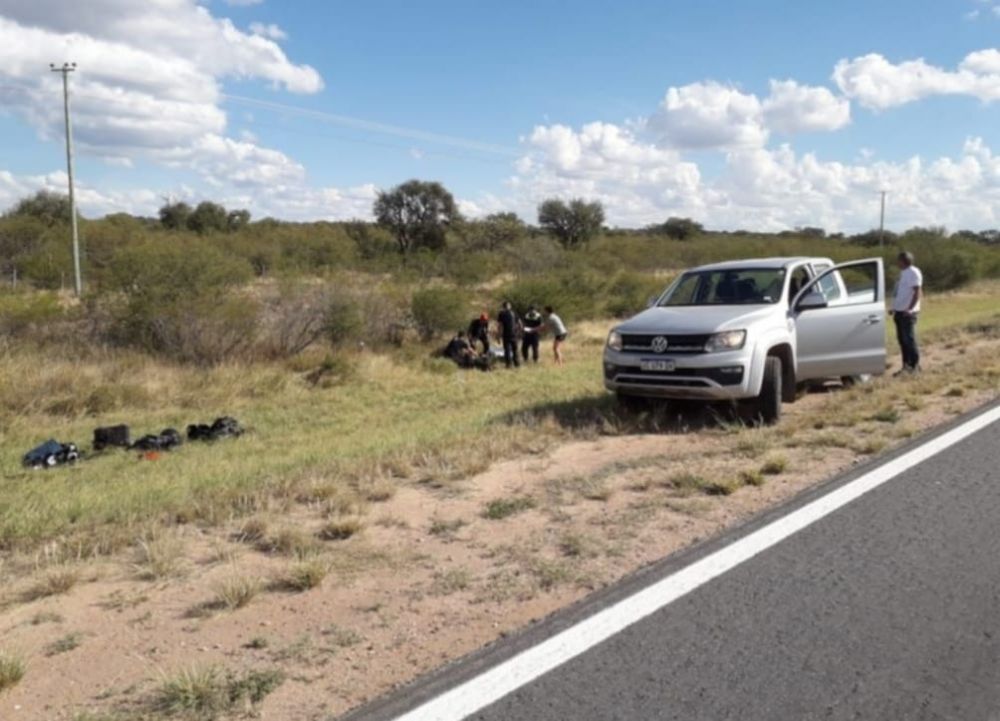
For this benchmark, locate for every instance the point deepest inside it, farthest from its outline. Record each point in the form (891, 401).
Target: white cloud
(712, 115)
(708, 115)
(243, 3)
(269, 30)
(758, 187)
(147, 84)
(877, 83)
(794, 108)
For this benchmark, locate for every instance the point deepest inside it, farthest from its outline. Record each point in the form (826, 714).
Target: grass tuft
(887, 415)
(306, 575)
(160, 557)
(12, 669)
(340, 529)
(55, 583)
(236, 592)
(722, 488)
(64, 644)
(752, 478)
(500, 508)
(205, 692)
(774, 466)
(441, 527)
(686, 483)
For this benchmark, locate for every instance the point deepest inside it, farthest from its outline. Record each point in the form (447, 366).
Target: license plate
(658, 366)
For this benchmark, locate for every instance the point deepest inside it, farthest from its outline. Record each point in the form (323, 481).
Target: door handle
(872, 320)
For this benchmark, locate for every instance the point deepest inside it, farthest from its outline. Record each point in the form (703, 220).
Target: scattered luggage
(225, 427)
(167, 440)
(112, 437)
(51, 453)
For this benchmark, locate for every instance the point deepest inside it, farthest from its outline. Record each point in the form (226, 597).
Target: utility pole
(881, 224)
(66, 69)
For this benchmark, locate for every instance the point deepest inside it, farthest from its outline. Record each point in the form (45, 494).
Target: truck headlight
(727, 340)
(615, 340)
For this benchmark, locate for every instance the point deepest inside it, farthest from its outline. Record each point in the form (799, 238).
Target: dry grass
(500, 508)
(12, 669)
(64, 644)
(160, 557)
(305, 575)
(236, 592)
(53, 583)
(774, 466)
(294, 542)
(340, 529)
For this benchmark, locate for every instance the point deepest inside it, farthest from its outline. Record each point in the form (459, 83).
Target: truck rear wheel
(769, 400)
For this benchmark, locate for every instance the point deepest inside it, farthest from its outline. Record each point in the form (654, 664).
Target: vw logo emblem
(660, 344)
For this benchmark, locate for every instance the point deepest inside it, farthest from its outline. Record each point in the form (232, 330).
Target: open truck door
(842, 336)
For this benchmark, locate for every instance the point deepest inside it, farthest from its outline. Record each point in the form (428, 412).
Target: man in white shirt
(905, 307)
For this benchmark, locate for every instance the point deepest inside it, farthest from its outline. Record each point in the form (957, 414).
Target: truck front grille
(675, 343)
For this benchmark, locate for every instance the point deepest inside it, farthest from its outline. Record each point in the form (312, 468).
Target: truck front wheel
(769, 400)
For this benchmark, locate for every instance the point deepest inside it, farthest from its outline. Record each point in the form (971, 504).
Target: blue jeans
(906, 332)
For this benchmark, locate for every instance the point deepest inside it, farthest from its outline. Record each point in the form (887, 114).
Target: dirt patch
(401, 581)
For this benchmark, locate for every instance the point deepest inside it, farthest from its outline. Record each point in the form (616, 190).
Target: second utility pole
(881, 223)
(66, 69)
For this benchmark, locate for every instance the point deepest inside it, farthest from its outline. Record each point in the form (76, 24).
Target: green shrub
(20, 312)
(631, 292)
(576, 294)
(344, 322)
(439, 310)
(177, 301)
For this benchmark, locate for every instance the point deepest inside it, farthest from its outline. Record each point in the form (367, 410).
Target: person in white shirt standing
(559, 332)
(905, 308)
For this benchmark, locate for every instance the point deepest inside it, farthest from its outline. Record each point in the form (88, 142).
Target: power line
(66, 69)
(375, 127)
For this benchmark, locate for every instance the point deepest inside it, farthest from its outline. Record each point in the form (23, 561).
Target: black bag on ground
(225, 427)
(167, 440)
(51, 453)
(112, 436)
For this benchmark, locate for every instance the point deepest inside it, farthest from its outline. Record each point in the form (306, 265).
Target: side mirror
(811, 301)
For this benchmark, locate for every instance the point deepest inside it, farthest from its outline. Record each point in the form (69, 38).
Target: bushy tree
(573, 224)
(496, 231)
(679, 228)
(417, 213)
(46, 206)
(237, 220)
(208, 217)
(174, 216)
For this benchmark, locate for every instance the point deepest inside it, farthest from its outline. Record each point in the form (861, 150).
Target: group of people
(519, 337)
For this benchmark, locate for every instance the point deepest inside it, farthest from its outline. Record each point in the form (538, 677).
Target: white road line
(492, 685)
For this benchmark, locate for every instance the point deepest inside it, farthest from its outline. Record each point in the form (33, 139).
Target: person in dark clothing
(532, 330)
(509, 323)
(463, 354)
(479, 332)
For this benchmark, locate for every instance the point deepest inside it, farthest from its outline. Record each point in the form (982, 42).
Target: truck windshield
(744, 286)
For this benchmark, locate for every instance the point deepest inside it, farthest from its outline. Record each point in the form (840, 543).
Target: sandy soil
(429, 578)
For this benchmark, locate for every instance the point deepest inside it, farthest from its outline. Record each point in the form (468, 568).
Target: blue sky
(507, 103)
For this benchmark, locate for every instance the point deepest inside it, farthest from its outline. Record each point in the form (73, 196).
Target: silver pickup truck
(752, 329)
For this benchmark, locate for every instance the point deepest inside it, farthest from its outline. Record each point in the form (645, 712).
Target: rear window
(828, 286)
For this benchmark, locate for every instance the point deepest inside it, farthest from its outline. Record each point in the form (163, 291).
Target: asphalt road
(886, 609)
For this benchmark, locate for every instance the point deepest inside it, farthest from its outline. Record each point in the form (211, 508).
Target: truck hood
(696, 320)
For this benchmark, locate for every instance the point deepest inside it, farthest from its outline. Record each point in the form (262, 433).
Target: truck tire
(769, 400)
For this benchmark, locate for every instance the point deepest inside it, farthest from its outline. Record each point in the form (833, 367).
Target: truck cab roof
(784, 262)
